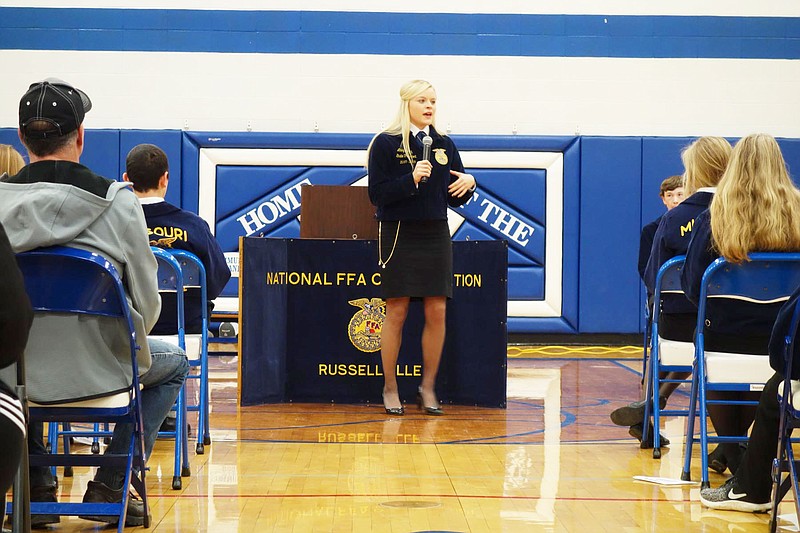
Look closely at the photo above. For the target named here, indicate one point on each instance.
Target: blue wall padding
(571, 247)
(609, 234)
(610, 192)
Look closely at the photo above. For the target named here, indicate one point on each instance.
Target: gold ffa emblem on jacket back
(364, 329)
(165, 242)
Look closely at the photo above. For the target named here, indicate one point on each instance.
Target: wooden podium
(336, 212)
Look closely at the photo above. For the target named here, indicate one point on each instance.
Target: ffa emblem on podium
(364, 329)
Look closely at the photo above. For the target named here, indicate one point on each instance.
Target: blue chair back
(767, 277)
(92, 284)
(194, 273)
(668, 281)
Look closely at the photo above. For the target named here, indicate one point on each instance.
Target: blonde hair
(704, 162)
(10, 160)
(402, 121)
(757, 206)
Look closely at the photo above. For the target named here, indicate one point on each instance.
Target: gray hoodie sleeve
(141, 267)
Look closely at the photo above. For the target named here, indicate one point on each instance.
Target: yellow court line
(574, 351)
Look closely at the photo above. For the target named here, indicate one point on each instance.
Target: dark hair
(49, 145)
(145, 165)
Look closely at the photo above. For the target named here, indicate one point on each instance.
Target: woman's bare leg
(432, 345)
(391, 338)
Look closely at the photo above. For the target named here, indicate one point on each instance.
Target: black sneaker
(168, 425)
(636, 431)
(728, 497)
(47, 494)
(633, 413)
(717, 461)
(98, 492)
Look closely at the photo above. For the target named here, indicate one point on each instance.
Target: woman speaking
(414, 174)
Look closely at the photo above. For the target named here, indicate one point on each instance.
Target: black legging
(12, 439)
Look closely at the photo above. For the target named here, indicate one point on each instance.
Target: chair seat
(192, 340)
(675, 353)
(226, 305)
(722, 367)
(795, 393)
(121, 399)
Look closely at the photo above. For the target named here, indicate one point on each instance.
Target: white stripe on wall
(477, 95)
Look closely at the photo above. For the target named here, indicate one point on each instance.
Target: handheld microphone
(427, 142)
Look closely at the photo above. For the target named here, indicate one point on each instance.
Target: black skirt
(417, 259)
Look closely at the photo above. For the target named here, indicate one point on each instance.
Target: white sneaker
(729, 497)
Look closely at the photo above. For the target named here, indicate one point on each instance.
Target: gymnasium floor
(552, 461)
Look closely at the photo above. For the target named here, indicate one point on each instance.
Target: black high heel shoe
(394, 411)
(428, 410)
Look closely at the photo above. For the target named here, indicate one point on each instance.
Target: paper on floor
(664, 480)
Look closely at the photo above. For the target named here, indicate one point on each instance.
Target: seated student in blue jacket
(756, 209)
(704, 162)
(168, 226)
(671, 193)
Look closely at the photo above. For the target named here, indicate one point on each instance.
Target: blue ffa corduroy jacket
(169, 226)
(672, 238)
(779, 332)
(391, 184)
(726, 316)
(646, 244)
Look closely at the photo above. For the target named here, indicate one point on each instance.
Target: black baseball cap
(54, 101)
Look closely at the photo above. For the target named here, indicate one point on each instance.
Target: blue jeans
(161, 383)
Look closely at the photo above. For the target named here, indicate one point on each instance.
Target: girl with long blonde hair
(704, 162)
(756, 209)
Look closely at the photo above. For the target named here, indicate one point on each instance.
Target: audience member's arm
(659, 254)
(217, 271)
(700, 254)
(141, 271)
(645, 245)
(776, 342)
(15, 312)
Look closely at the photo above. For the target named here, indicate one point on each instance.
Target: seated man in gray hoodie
(57, 201)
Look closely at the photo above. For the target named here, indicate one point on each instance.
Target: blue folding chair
(785, 466)
(665, 355)
(67, 280)
(766, 278)
(170, 279)
(194, 278)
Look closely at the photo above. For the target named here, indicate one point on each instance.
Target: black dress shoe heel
(394, 411)
(428, 410)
